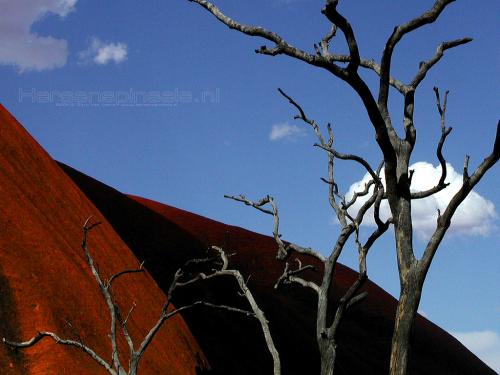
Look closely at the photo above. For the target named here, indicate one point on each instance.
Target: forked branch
(289, 276)
(114, 367)
(444, 220)
(399, 32)
(284, 249)
(326, 332)
(255, 311)
(445, 131)
(328, 146)
(281, 46)
(425, 66)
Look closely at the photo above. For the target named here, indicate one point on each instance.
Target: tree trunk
(327, 354)
(411, 290)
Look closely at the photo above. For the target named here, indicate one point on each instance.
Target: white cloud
(19, 46)
(475, 216)
(484, 344)
(103, 53)
(285, 131)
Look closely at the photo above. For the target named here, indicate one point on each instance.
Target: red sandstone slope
(166, 237)
(45, 281)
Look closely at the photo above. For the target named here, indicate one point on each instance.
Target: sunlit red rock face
(165, 237)
(45, 281)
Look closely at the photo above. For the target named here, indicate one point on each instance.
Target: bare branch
(425, 66)
(327, 146)
(325, 42)
(126, 333)
(399, 32)
(302, 116)
(330, 11)
(284, 250)
(281, 46)
(258, 313)
(289, 276)
(341, 212)
(305, 251)
(468, 184)
(349, 297)
(40, 335)
(105, 293)
(439, 151)
(255, 312)
(125, 272)
(366, 189)
(352, 157)
(228, 308)
(322, 144)
(358, 194)
(465, 176)
(257, 205)
(322, 49)
(354, 300)
(369, 64)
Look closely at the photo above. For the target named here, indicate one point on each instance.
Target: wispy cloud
(285, 131)
(475, 216)
(24, 49)
(102, 53)
(484, 344)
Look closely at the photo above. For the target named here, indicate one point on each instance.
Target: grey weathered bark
(244, 291)
(115, 367)
(396, 151)
(326, 327)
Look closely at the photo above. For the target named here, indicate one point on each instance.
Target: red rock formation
(45, 281)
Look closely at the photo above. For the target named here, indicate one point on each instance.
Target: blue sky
(215, 123)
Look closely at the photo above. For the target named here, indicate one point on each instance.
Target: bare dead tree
(396, 152)
(181, 279)
(326, 330)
